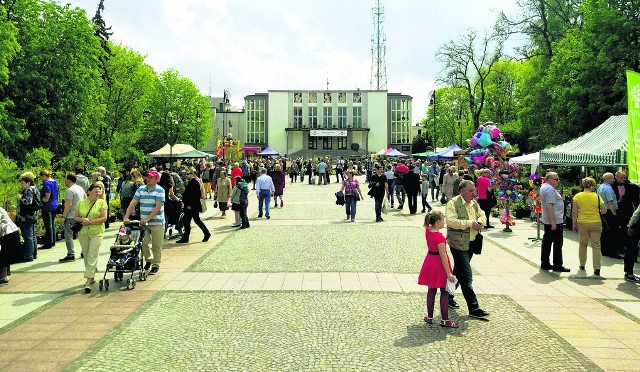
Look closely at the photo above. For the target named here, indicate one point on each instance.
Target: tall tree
(468, 65)
(11, 130)
(453, 122)
(55, 81)
(126, 98)
(177, 113)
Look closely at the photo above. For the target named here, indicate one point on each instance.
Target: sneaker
(236, 225)
(206, 237)
(631, 278)
(259, 216)
(147, 266)
(268, 217)
(154, 270)
(479, 313)
(596, 272)
(67, 258)
(453, 304)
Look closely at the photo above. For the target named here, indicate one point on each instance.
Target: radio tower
(378, 50)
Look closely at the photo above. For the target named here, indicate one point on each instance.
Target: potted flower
(521, 208)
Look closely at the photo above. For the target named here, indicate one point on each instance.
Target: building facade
(307, 122)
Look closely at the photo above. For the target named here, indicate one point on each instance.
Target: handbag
(357, 197)
(475, 246)
(603, 218)
(77, 226)
(203, 205)
(443, 199)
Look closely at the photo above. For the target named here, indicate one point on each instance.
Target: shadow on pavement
(545, 277)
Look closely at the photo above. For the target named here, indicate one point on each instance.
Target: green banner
(633, 119)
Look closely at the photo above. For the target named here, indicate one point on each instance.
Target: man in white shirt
(265, 190)
(72, 196)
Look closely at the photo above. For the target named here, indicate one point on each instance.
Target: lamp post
(432, 101)
(173, 131)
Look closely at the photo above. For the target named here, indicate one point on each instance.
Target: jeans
(549, 237)
(401, 194)
(462, 271)
(425, 203)
(188, 216)
(264, 197)
(390, 194)
(28, 231)
(350, 206)
(378, 199)
(68, 236)
(49, 227)
(413, 203)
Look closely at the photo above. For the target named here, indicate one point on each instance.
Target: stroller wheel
(100, 284)
(106, 284)
(133, 284)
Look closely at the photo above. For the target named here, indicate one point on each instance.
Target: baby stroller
(126, 259)
(174, 217)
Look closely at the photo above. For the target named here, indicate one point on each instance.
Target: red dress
(433, 274)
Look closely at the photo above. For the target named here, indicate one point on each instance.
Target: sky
(252, 46)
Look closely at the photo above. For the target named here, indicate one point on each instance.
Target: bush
(9, 184)
(38, 159)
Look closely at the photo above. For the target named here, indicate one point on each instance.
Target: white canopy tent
(533, 159)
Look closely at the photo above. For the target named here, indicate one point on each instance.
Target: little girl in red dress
(436, 268)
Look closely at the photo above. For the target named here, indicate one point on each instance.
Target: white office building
(300, 122)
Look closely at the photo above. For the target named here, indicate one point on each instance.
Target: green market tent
(603, 146)
(422, 154)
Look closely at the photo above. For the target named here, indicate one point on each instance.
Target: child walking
(436, 268)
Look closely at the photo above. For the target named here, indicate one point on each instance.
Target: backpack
(36, 203)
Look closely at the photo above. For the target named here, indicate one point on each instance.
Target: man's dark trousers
(549, 237)
(462, 271)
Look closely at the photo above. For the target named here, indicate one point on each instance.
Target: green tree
(11, 130)
(468, 65)
(453, 122)
(126, 98)
(38, 159)
(177, 113)
(54, 81)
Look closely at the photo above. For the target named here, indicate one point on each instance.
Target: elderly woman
(223, 192)
(9, 245)
(587, 208)
(278, 179)
(352, 194)
(91, 213)
(28, 215)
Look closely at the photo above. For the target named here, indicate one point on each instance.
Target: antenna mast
(378, 50)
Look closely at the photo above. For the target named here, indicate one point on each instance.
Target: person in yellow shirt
(586, 211)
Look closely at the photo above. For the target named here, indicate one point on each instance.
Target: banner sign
(328, 133)
(633, 119)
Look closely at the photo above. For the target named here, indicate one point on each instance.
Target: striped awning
(604, 145)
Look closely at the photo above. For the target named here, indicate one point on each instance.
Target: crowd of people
(157, 196)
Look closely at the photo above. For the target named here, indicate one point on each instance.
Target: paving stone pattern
(373, 248)
(328, 331)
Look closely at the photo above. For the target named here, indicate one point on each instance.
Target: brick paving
(305, 290)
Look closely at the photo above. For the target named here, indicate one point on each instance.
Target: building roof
(604, 145)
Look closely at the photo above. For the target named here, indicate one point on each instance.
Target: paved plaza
(306, 290)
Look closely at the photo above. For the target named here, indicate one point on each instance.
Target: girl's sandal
(448, 323)
(428, 320)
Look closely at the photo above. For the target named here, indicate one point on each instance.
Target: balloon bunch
(507, 219)
(507, 182)
(534, 183)
(486, 147)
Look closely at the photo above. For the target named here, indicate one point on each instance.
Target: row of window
(327, 97)
(327, 143)
(343, 120)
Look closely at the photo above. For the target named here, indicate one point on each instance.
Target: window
(342, 143)
(256, 126)
(342, 117)
(297, 97)
(327, 117)
(327, 143)
(297, 117)
(357, 98)
(313, 142)
(400, 127)
(313, 117)
(313, 97)
(327, 97)
(342, 97)
(357, 117)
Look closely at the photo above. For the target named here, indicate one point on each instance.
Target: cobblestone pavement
(274, 331)
(307, 291)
